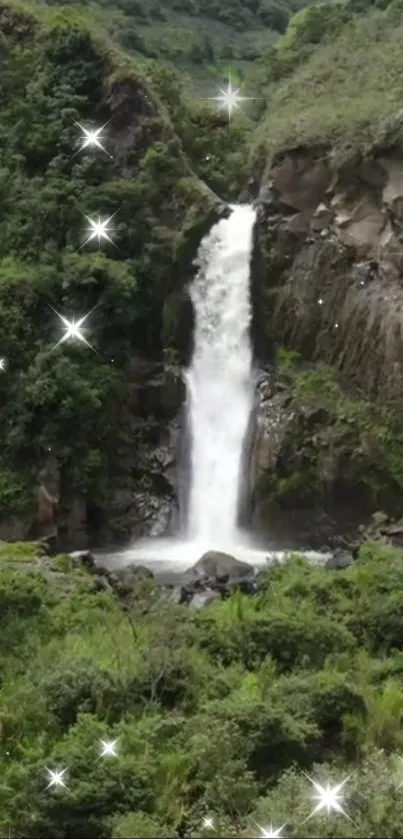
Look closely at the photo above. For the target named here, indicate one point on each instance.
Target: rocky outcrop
(320, 467)
(288, 510)
(142, 496)
(331, 255)
(218, 565)
(327, 274)
(215, 576)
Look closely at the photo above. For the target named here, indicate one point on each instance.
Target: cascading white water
(219, 381)
(220, 400)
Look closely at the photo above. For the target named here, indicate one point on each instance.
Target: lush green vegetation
(335, 440)
(199, 36)
(58, 69)
(217, 712)
(335, 78)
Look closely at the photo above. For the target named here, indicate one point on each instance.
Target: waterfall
(220, 385)
(220, 402)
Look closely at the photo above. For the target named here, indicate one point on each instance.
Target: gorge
(239, 400)
(221, 391)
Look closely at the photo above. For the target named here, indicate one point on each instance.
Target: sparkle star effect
(92, 137)
(270, 832)
(56, 777)
(208, 824)
(328, 798)
(229, 98)
(108, 748)
(99, 229)
(3, 364)
(74, 329)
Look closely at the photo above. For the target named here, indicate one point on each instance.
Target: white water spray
(220, 399)
(220, 381)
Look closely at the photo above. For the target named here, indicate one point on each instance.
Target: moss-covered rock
(325, 461)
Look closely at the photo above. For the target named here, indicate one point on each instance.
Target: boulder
(203, 598)
(379, 519)
(216, 565)
(130, 582)
(340, 559)
(83, 558)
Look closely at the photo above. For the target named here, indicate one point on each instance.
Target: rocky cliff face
(328, 268)
(333, 256)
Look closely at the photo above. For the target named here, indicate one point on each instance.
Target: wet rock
(396, 529)
(215, 564)
(340, 559)
(85, 558)
(215, 576)
(322, 217)
(174, 594)
(100, 584)
(248, 586)
(379, 518)
(203, 598)
(131, 581)
(134, 572)
(384, 531)
(153, 514)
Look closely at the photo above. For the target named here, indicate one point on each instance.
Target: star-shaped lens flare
(56, 777)
(270, 832)
(74, 329)
(99, 229)
(328, 798)
(208, 824)
(229, 98)
(3, 364)
(108, 748)
(92, 138)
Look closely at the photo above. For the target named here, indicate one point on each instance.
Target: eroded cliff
(329, 263)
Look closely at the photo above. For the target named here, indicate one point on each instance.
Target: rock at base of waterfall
(219, 566)
(85, 558)
(203, 598)
(131, 583)
(340, 559)
(214, 576)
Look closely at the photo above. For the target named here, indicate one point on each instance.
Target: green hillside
(335, 77)
(227, 719)
(198, 37)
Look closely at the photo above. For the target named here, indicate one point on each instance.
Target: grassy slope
(199, 38)
(348, 92)
(216, 711)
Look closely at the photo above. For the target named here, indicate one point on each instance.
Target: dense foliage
(335, 444)
(219, 713)
(341, 62)
(194, 34)
(216, 712)
(57, 72)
